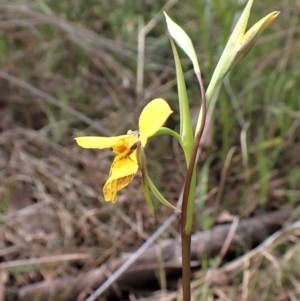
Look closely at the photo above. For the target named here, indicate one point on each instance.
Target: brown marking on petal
(110, 188)
(135, 145)
(121, 146)
(121, 158)
(123, 182)
(110, 191)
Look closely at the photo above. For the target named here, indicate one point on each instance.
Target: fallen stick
(165, 254)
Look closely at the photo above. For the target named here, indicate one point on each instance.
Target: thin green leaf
(202, 187)
(147, 193)
(229, 52)
(158, 195)
(183, 41)
(250, 37)
(186, 131)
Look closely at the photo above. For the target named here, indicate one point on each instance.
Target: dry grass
(88, 77)
(54, 220)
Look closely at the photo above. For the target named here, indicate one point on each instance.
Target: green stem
(142, 165)
(166, 131)
(188, 202)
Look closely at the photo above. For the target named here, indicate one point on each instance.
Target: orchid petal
(98, 142)
(122, 171)
(152, 118)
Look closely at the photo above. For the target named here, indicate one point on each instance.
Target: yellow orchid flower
(125, 165)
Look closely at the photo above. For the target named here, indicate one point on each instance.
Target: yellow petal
(122, 167)
(133, 157)
(153, 117)
(122, 171)
(98, 142)
(110, 191)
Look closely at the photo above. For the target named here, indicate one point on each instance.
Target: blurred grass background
(90, 68)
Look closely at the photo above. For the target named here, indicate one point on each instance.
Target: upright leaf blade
(229, 52)
(250, 37)
(186, 131)
(183, 41)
